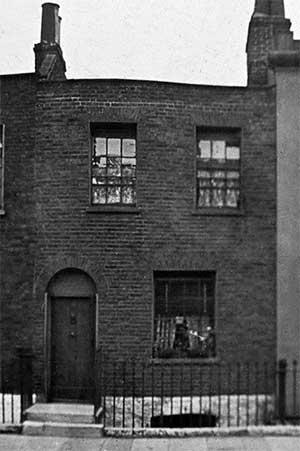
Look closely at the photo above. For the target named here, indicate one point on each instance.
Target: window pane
(99, 180)
(98, 171)
(113, 194)
(218, 168)
(233, 153)
(128, 170)
(113, 163)
(99, 161)
(232, 198)
(204, 174)
(128, 194)
(100, 146)
(218, 179)
(113, 166)
(114, 147)
(232, 183)
(98, 195)
(218, 174)
(204, 198)
(233, 175)
(218, 152)
(204, 183)
(217, 198)
(128, 161)
(205, 149)
(181, 327)
(114, 180)
(128, 148)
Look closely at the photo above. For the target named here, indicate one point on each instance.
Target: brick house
(154, 219)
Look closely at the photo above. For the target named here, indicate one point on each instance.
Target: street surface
(9, 442)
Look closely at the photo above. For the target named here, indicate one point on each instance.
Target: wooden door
(72, 348)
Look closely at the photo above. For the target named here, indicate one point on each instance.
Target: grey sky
(192, 41)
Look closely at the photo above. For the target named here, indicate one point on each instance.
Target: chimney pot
(50, 32)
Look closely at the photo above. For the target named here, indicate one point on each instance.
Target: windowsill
(213, 211)
(2, 212)
(112, 209)
(185, 361)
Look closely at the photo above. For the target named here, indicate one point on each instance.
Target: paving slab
(255, 444)
(225, 444)
(117, 444)
(153, 444)
(283, 443)
(12, 442)
(188, 444)
(22, 443)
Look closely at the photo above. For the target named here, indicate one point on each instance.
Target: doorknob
(72, 334)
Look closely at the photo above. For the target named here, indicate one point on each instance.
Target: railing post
(282, 369)
(25, 373)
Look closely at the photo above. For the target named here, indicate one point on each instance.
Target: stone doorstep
(71, 430)
(61, 413)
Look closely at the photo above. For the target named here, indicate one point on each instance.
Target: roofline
(22, 74)
(153, 82)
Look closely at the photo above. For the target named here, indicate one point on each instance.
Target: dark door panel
(72, 348)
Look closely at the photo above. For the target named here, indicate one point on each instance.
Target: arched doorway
(71, 298)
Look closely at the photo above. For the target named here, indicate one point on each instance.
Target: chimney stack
(49, 61)
(50, 31)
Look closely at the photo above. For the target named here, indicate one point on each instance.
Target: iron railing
(16, 391)
(157, 393)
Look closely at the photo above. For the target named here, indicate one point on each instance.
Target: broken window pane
(99, 195)
(114, 147)
(218, 150)
(233, 153)
(100, 146)
(113, 194)
(205, 149)
(128, 148)
(113, 166)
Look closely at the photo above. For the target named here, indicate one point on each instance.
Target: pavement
(14, 442)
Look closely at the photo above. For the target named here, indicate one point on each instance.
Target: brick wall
(47, 226)
(121, 251)
(17, 226)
